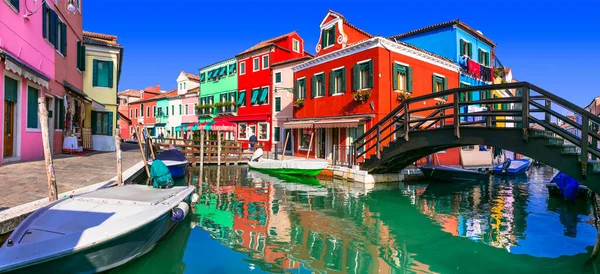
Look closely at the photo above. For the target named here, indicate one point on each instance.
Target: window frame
(148, 111)
(337, 85)
(102, 114)
(319, 85)
(39, 94)
(242, 69)
(106, 62)
(300, 89)
(295, 45)
(278, 74)
(276, 134)
(407, 71)
(245, 99)
(244, 131)
(255, 64)
(328, 32)
(277, 98)
(267, 126)
(265, 65)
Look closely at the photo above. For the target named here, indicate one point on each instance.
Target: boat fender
(195, 197)
(178, 213)
(506, 165)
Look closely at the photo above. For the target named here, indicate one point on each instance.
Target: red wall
(137, 106)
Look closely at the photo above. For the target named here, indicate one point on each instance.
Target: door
(9, 118)
(321, 134)
(335, 142)
(288, 146)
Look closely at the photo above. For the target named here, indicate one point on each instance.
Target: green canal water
(249, 222)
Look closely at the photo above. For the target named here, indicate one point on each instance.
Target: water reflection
(249, 221)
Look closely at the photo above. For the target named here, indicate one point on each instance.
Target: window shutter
(95, 73)
(82, 57)
(32, 107)
(433, 80)
(487, 59)
(331, 82)
(333, 36)
(323, 38)
(355, 76)
(296, 93)
(79, 55)
(54, 27)
(371, 73)
(110, 124)
(61, 117)
(470, 50)
(313, 86)
(462, 47)
(323, 84)
(44, 26)
(343, 80)
(395, 76)
(110, 74)
(63, 39)
(409, 79)
(303, 88)
(94, 121)
(445, 83)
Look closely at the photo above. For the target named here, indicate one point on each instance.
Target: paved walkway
(21, 183)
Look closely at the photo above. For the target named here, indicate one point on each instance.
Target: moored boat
(95, 231)
(174, 160)
(453, 174)
(512, 167)
(564, 186)
(289, 167)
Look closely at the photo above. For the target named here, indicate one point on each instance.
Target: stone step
(558, 142)
(541, 134)
(569, 150)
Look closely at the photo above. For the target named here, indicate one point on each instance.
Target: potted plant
(402, 96)
(299, 103)
(218, 104)
(361, 95)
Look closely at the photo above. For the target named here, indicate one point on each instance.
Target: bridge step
(553, 141)
(535, 133)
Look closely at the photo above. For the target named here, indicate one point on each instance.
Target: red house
(255, 92)
(143, 111)
(355, 80)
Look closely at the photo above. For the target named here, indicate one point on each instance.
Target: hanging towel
(484, 73)
(474, 69)
(462, 62)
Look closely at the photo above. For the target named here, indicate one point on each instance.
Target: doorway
(51, 116)
(321, 142)
(288, 146)
(335, 141)
(9, 128)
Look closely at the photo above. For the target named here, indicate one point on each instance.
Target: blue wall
(440, 41)
(477, 44)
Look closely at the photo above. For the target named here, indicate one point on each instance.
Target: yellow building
(103, 62)
(505, 76)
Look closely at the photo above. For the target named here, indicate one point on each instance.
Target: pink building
(27, 65)
(189, 101)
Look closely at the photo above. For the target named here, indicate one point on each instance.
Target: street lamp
(70, 7)
(290, 90)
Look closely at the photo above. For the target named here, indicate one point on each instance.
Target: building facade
(218, 84)
(255, 94)
(102, 72)
(355, 80)
(188, 88)
(143, 111)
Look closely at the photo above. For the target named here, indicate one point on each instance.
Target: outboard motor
(506, 165)
(179, 212)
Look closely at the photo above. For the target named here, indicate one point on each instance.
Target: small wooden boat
(289, 167)
(513, 167)
(174, 160)
(95, 231)
(563, 186)
(453, 174)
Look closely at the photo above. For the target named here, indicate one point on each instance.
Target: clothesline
(475, 69)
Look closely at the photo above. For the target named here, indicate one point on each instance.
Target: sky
(552, 44)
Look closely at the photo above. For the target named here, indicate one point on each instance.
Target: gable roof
(194, 90)
(100, 39)
(130, 93)
(192, 77)
(163, 95)
(446, 24)
(267, 43)
(348, 23)
(308, 56)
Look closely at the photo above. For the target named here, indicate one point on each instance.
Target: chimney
(158, 88)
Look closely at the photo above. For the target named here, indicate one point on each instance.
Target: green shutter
(304, 88)
(82, 57)
(61, 117)
(470, 50)
(63, 39)
(54, 26)
(278, 104)
(313, 86)
(333, 36)
(331, 82)
(11, 87)
(32, 107)
(94, 122)
(343, 80)
(278, 77)
(276, 131)
(296, 93)
(395, 76)
(487, 59)
(323, 32)
(355, 77)
(110, 74)
(409, 79)
(44, 27)
(255, 93)
(433, 80)
(445, 82)
(110, 124)
(15, 4)
(462, 47)
(322, 76)
(95, 73)
(371, 73)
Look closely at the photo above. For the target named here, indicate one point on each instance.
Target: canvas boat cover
(567, 186)
(289, 164)
(160, 174)
(172, 155)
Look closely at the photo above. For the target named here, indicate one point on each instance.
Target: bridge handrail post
(378, 141)
(585, 125)
(548, 104)
(355, 150)
(525, 113)
(406, 122)
(456, 115)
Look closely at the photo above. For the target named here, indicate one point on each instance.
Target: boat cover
(289, 164)
(567, 186)
(171, 154)
(160, 174)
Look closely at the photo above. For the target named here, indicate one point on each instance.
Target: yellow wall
(102, 95)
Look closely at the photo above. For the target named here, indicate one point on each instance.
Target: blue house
(456, 41)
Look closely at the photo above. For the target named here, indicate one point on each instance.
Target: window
(318, 86)
(439, 84)
(295, 45)
(232, 99)
(465, 96)
(242, 67)
(148, 111)
(142, 110)
(466, 48)
(277, 104)
(264, 96)
(402, 78)
(328, 37)
(131, 113)
(300, 91)
(255, 64)
(103, 73)
(232, 69)
(484, 57)
(255, 94)
(337, 81)
(61, 41)
(242, 131)
(53, 29)
(362, 75)
(241, 101)
(184, 85)
(136, 113)
(278, 77)
(180, 110)
(59, 108)
(355, 132)
(276, 134)
(14, 4)
(304, 138)
(32, 107)
(202, 77)
(265, 61)
(172, 109)
(80, 56)
(263, 131)
(154, 111)
(102, 123)
(186, 109)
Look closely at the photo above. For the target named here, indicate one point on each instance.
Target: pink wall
(191, 117)
(31, 139)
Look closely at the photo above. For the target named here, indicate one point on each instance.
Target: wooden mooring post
(43, 113)
(201, 178)
(139, 134)
(119, 156)
(287, 137)
(310, 143)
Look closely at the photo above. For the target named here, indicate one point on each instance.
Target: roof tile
(267, 43)
(445, 24)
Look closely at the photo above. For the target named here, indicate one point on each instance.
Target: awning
(254, 95)
(97, 106)
(299, 124)
(245, 118)
(160, 124)
(22, 69)
(337, 123)
(263, 95)
(242, 98)
(75, 91)
(149, 126)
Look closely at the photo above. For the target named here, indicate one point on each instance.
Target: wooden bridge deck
(231, 151)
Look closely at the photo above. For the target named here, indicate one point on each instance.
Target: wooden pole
(43, 113)
(201, 178)
(287, 137)
(150, 143)
(310, 143)
(218, 147)
(119, 157)
(138, 132)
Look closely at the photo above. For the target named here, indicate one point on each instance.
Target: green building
(218, 90)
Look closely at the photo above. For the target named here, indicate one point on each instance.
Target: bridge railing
(513, 105)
